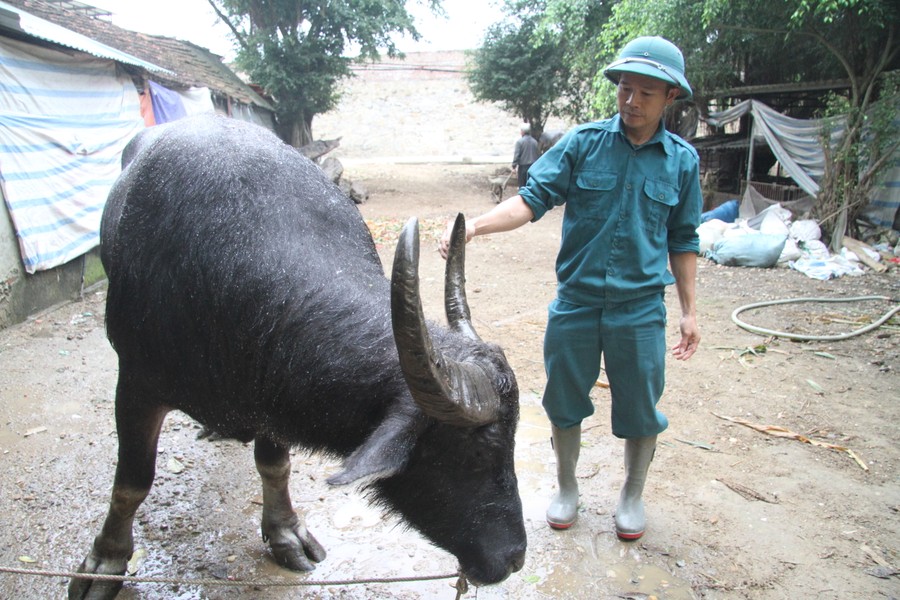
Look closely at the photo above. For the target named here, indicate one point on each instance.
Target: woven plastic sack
(760, 250)
(805, 230)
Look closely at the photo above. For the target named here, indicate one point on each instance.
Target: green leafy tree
(733, 43)
(574, 26)
(855, 155)
(521, 71)
(297, 49)
(629, 19)
(862, 35)
(726, 43)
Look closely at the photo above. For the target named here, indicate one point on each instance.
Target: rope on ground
(810, 338)
(228, 582)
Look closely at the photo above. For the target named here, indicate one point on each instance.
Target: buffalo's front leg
(138, 433)
(292, 544)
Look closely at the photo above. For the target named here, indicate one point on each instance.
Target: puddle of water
(534, 460)
(588, 561)
(534, 453)
(355, 514)
(8, 439)
(599, 565)
(361, 543)
(65, 407)
(650, 580)
(534, 428)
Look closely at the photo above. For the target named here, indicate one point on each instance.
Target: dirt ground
(733, 512)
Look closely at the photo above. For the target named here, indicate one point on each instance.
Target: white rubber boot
(564, 506)
(630, 519)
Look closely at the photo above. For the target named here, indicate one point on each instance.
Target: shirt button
(661, 196)
(627, 186)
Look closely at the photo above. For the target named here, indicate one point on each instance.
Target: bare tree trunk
(296, 132)
(302, 132)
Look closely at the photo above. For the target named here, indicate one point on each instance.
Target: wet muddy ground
(733, 512)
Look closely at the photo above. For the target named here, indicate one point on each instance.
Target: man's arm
(684, 268)
(517, 153)
(506, 216)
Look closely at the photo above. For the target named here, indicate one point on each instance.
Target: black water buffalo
(549, 138)
(245, 290)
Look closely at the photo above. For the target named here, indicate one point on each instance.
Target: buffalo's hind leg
(292, 544)
(138, 428)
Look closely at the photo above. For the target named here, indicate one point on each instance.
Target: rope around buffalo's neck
(811, 338)
(461, 584)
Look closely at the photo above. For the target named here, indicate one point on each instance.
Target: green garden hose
(808, 338)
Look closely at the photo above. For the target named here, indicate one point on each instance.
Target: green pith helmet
(654, 57)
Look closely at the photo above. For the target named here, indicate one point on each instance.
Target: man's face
(641, 101)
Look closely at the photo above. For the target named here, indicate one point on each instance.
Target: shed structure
(74, 89)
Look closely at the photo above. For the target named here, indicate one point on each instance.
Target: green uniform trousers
(631, 339)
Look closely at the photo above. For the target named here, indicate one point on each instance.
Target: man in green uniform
(632, 200)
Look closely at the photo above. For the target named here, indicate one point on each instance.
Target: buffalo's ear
(385, 453)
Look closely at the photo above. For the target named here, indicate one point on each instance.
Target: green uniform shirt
(627, 208)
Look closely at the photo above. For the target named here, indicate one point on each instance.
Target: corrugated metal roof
(50, 32)
(85, 9)
(781, 88)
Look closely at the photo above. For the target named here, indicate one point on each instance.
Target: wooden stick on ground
(859, 249)
(776, 431)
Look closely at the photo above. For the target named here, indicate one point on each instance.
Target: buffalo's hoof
(94, 589)
(295, 548)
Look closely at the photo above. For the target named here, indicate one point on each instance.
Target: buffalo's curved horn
(455, 304)
(455, 392)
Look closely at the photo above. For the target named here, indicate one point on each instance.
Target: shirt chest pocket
(657, 202)
(592, 197)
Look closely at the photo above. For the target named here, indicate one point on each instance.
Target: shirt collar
(660, 137)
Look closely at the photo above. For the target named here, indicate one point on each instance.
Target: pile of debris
(333, 168)
(772, 238)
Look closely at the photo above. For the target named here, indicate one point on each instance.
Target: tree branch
(814, 34)
(875, 167)
(234, 30)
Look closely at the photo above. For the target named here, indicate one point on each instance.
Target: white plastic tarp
(884, 202)
(796, 143)
(197, 100)
(64, 120)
